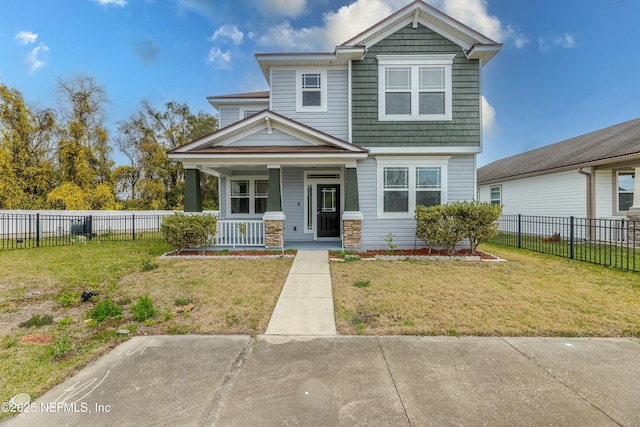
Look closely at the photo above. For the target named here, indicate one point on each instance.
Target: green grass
(230, 296)
(530, 295)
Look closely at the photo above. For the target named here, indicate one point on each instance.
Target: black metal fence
(38, 230)
(610, 242)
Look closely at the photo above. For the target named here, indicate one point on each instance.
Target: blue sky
(568, 67)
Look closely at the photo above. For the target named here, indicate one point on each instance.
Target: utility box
(77, 227)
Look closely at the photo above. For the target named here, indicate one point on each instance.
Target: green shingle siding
(463, 130)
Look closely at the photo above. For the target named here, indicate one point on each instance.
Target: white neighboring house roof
(612, 145)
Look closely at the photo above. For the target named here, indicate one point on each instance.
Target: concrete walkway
(305, 306)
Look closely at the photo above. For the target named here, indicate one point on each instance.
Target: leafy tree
(26, 165)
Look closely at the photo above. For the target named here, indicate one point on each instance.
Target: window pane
(431, 102)
(311, 98)
(240, 205)
(397, 78)
(431, 78)
(396, 201)
(260, 205)
(625, 201)
(309, 207)
(397, 103)
(261, 188)
(427, 177)
(328, 200)
(427, 198)
(239, 188)
(625, 181)
(396, 177)
(311, 81)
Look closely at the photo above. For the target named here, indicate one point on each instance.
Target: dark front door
(328, 210)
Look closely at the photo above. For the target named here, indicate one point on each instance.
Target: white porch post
(274, 216)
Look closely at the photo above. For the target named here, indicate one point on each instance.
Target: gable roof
(219, 142)
(474, 44)
(616, 143)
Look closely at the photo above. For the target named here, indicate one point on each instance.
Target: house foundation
(634, 228)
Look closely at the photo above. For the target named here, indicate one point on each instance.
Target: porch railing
(239, 233)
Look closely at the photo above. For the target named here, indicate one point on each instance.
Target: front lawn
(43, 287)
(530, 295)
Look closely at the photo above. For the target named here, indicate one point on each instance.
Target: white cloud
(121, 3)
(228, 32)
(289, 8)
(566, 41)
(489, 123)
(33, 58)
(218, 58)
(25, 37)
(350, 20)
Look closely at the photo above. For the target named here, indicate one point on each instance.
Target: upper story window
(248, 113)
(625, 181)
(415, 87)
(311, 90)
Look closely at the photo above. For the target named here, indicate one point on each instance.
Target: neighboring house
(345, 144)
(589, 176)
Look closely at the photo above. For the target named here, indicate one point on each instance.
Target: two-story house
(346, 144)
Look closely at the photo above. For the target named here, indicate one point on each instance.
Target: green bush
(447, 225)
(188, 231)
(104, 310)
(142, 309)
(437, 225)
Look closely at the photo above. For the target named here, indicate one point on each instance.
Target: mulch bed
(423, 252)
(233, 253)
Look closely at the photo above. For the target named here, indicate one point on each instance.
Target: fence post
(38, 230)
(571, 235)
(133, 226)
(89, 226)
(519, 231)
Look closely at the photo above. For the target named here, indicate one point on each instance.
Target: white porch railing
(239, 233)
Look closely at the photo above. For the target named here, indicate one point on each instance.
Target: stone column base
(634, 228)
(352, 233)
(273, 233)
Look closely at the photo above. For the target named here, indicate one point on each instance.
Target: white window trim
(442, 163)
(244, 110)
(499, 187)
(616, 191)
(323, 90)
(415, 61)
(252, 195)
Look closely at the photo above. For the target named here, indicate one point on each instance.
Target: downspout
(589, 201)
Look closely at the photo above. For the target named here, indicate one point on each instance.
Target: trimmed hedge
(448, 225)
(188, 231)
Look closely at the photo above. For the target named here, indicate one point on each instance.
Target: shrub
(438, 225)
(104, 310)
(478, 220)
(142, 309)
(188, 231)
(447, 225)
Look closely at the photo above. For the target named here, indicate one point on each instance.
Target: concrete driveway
(327, 381)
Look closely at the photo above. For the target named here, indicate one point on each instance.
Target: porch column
(352, 217)
(634, 210)
(274, 217)
(192, 195)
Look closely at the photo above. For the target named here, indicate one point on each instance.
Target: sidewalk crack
(393, 380)
(564, 384)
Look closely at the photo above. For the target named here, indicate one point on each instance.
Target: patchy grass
(531, 295)
(229, 296)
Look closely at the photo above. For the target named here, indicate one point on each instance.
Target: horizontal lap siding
(222, 196)
(333, 122)
(262, 139)
(460, 186)
(463, 130)
(228, 115)
(605, 200)
(293, 204)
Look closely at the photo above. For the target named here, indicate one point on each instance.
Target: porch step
(305, 306)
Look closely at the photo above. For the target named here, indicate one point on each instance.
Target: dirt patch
(37, 339)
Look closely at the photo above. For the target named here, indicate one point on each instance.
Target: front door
(328, 210)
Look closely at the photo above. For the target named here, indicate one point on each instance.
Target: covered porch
(281, 184)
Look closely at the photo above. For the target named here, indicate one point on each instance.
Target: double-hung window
(496, 194)
(415, 87)
(405, 185)
(311, 90)
(248, 196)
(625, 181)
